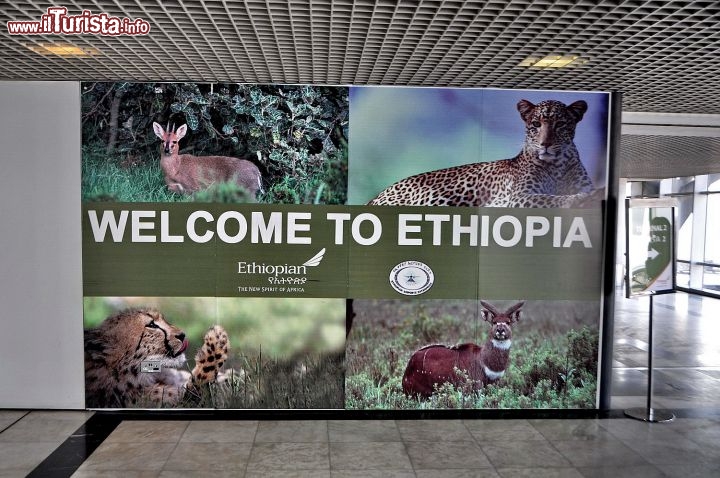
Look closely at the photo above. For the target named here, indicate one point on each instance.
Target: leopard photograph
(549, 171)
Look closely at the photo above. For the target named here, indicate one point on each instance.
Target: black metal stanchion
(649, 414)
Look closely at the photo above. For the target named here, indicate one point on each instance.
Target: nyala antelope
(433, 365)
(186, 174)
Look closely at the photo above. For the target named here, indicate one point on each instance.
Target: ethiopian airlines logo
(57, 22)
(315, 260)
(280, 274)
(412, 278)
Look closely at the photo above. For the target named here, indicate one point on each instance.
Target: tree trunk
(114, 114)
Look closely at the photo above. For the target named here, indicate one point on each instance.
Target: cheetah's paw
(211, 356)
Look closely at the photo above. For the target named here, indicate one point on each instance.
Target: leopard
(546, 173)
(116, 349)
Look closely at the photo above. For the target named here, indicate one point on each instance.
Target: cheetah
(115, 350)
(546, 173)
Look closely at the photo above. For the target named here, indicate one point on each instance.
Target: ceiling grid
(663, 55)
(660, 157)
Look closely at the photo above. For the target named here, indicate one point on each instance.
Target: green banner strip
(192, 249)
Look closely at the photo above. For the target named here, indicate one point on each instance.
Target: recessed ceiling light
(553, 61)
(62, 49)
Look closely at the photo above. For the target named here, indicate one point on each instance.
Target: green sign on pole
(649, 257)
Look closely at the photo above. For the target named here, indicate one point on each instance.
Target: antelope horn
(490, 307)
(173, 130)
(167, 128)
(515, 308)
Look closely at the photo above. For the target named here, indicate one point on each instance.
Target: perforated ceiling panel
(664, 55)
(660, 157)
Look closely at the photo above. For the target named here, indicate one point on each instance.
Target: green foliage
(426, 329)
(295, 134)
(548, 374)
(312, 180)
(548, 369)
(362, 393)
(583, 345)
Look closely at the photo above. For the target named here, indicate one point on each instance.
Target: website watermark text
(57, 22)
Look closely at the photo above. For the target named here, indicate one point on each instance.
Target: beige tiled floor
(407, 448)
(617, 447)
(27, 438)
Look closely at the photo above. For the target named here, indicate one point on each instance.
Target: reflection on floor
(686, 352)
(687, 380)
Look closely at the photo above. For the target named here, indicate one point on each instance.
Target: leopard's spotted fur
(115, 350)
(546, 173)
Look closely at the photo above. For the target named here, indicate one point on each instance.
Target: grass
(306, 382)
(553, 356)
(107, 178)
(310, 381)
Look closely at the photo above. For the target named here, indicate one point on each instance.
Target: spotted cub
(116, 349)
(546, 173)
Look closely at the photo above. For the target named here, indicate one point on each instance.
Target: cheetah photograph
(477, 147)
(207, 352)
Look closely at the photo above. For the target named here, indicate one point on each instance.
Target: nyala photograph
(436, 354)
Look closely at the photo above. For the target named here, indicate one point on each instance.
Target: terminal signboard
(650, 246)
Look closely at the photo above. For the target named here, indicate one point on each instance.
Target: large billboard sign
(272, 246)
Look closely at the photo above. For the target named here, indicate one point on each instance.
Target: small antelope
(436, 364)
(186, 174)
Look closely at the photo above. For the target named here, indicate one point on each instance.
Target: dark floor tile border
(305, 414)
(68, 457)
(15, 421)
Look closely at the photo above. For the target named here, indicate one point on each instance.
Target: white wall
(41, 329)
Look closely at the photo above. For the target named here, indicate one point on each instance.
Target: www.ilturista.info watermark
(57, 21)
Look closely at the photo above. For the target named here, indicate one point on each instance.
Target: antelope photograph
(442, 353)
(229, 143)
(475, 365)
(187, 174)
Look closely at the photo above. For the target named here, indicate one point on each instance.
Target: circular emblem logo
(411, 278)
